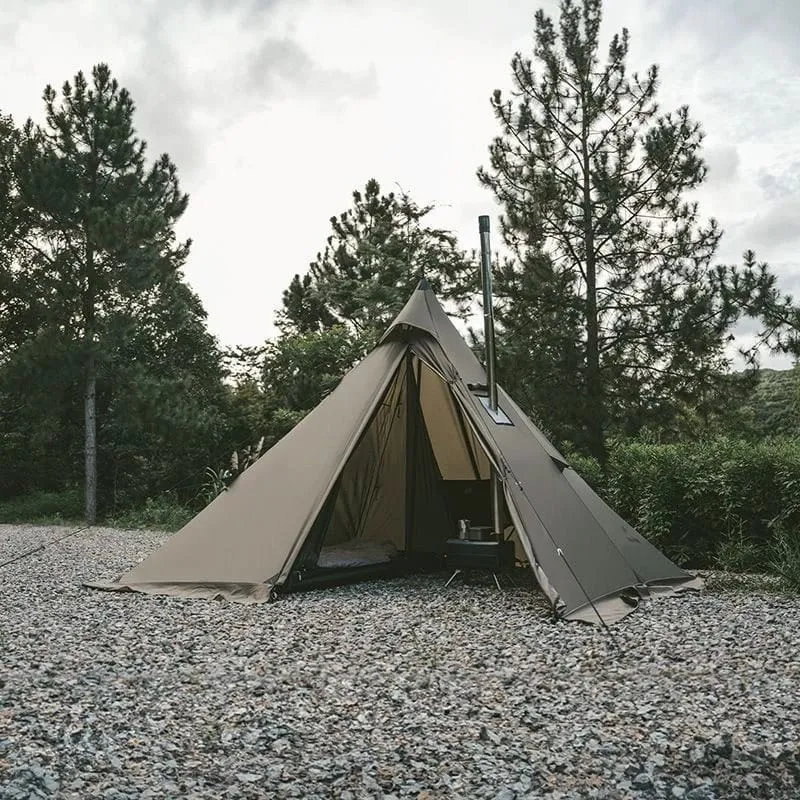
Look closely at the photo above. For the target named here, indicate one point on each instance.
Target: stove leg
(452, 577)
(497, 582)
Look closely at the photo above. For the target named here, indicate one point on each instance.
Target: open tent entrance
(416, 470)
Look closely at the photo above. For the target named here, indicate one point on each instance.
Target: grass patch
(739, 553)
(162, 513)
(44, 508)
(785, 561)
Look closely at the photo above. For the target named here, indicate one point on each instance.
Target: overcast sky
(275, 110)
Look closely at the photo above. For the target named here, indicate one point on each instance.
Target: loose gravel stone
(393, 689)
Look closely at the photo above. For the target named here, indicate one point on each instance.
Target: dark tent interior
(418, 469)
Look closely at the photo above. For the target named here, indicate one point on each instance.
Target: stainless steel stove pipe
(491, 365)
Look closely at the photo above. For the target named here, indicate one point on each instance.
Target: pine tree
(99, 231)
(374, 258)
(304, 309)
(12, 325)
(612, 262)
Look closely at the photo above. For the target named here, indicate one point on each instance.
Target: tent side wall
(648, 562)
(579, 544)
(243, 542)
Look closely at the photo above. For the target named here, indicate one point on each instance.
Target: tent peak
(423, 285)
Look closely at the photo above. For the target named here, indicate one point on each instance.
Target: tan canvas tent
(373, 477)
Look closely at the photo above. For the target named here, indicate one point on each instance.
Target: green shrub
(709, 504)
(46, 508)
(162, 513)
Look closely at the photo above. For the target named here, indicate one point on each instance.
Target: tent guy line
(43, 546)
(591, 602)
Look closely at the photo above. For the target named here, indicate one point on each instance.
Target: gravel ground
(386, 689)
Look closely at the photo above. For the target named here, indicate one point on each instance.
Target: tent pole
(496, 484)
(410, 441)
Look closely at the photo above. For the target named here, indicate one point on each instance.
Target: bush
(46, 508)
(723, 503)
(587, 467)
(163, 513)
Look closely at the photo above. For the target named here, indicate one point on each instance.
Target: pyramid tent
(388, 461)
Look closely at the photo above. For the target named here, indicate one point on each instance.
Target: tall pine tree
(612, 262)
(99, 225)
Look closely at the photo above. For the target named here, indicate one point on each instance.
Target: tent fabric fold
(375, 460)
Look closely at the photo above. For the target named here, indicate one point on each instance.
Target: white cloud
(779, 223)
(723, 163)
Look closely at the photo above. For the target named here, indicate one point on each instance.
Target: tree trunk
(90, 432)
(594, 411)
(90, 415)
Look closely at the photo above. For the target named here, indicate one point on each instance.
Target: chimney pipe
(488, 311)
(491, 368)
